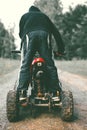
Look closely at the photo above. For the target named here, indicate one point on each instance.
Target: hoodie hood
(33, 8)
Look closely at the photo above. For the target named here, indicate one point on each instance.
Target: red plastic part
(38, 60)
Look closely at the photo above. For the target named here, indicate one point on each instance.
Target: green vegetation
(7, 44)
(78, 67)
(75, 32)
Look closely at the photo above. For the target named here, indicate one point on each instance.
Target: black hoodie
(36, 20)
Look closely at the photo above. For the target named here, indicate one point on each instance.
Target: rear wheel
(67, 106)
(12, 106)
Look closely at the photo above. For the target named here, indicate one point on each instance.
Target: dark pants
(38, 42)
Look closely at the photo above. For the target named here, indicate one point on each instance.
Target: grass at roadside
(8, 65)
(76, 66)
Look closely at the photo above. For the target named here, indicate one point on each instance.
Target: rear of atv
(14, 102)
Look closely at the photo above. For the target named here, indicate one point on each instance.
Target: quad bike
(39, 95)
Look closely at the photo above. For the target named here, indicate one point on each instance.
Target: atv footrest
(41, 105)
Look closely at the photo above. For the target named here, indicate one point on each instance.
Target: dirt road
(48, 121)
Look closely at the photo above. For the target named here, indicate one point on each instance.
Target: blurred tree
(75, 31)
(6, 42)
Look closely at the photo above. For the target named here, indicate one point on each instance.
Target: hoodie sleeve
(58, 39)
(21, 26)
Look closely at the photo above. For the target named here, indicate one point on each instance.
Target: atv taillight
(38, 60)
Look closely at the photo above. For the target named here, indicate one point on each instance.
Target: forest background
(72, 25)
